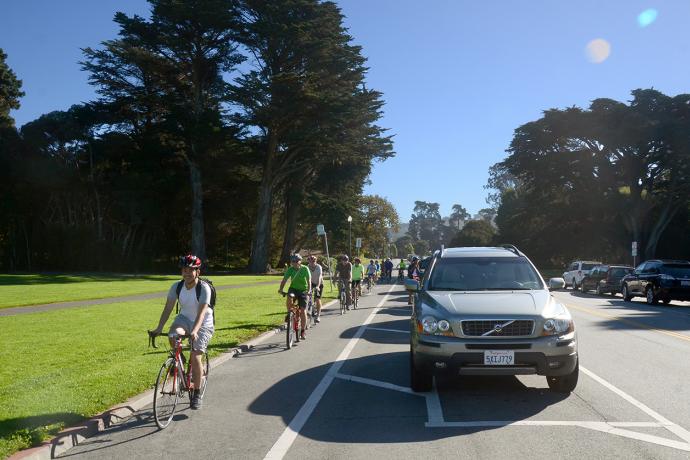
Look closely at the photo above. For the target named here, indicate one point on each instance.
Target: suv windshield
(483, 274)
(677, 271)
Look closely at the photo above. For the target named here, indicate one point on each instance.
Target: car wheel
(666, 300)
(651, 298)
(420, 381)
(626, 293)
(582, 287)
(599, 291)
(565, 383)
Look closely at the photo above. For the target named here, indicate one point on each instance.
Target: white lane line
(282, 445)
(369, 328)
(375, 383)
(682, 433)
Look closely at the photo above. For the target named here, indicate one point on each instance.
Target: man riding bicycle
(357, 276)
(343, 272)
(300, 286)
(195, 318)
(316, 285)
(371, 272)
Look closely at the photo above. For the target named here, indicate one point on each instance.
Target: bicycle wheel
(289, 330)
(166, 393)
(206, 367)
(343, 301)
(356, 297)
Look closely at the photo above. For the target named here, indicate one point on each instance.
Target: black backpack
(212, 302)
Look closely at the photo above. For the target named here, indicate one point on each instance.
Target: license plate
(685, 283)
(499, 357)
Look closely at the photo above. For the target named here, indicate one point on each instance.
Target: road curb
(116, 415)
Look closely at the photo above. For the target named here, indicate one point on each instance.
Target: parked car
(577, 270)
(605, 279)
(487, 311)
(664, 280)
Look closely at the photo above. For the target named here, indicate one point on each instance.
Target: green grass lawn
(72, 364)
(21, 290)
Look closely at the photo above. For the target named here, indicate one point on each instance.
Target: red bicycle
(292, 322)
(174, 380)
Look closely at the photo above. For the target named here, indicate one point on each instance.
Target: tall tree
(10, 92)
(475, 233)
(426, 224)
(166, 75)
(458, 216)
(304, 97)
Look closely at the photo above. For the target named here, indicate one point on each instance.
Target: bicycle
(355, 295)
(342, 296)
(369, 283)
(311, 310)
(173, 380)
(401, 275)
(292, 322)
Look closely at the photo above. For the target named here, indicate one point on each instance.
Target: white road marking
(375, 383)
(282, 445)
(369, 328)
(436, 420)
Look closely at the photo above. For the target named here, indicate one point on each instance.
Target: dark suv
(656, 280)
(605, 278)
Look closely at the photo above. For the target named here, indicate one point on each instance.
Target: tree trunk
(293, 197)
(261, 244)
(198, 240)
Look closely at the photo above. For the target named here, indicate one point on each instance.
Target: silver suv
(487, 311)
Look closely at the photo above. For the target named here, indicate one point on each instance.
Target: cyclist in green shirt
(357, 276)
(300, 285)
(401, 269)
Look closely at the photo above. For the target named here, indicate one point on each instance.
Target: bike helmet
(295, 258)
(357, 260)
(344, 257)
(190, 261)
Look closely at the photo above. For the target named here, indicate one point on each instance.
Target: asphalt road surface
(344, 393)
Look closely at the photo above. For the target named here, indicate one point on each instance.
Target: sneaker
(303, 336)
(317, 319)
(196, 400)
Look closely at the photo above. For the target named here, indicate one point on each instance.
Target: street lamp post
(349, 220)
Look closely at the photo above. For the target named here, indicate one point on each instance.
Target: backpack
(212, 301)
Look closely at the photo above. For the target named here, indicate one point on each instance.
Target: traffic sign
(634, 248)
(320, 230)
(358, 243)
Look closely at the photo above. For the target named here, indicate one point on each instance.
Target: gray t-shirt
(189, 306)
(316, 274)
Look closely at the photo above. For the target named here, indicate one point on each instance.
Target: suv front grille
(517, 328)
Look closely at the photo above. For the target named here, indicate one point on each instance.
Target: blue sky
(457, 76)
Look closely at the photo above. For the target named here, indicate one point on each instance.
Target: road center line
(284, 442)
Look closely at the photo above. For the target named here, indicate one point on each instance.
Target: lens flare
(647, 17)
(598, 50)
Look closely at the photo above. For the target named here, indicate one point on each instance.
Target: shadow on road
(379, 415)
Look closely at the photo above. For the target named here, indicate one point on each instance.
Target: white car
(577, 270)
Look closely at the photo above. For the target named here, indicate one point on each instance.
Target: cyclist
(343, 272)
(357, 275)
(388, 266)
(371, 272)
(195, 318)
(300, 285)
(378, 271)
(316, 285)
(401, 269)
(413, 273)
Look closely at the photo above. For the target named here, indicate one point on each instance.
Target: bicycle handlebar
(154, 334)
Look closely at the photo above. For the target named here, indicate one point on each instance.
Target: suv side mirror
(556, 283)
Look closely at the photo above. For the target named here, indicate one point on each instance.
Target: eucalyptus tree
(458, 216)
(165, 77)
(304, 99)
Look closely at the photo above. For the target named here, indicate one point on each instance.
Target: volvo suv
(487, 311)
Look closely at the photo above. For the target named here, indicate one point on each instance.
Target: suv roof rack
(512, 249)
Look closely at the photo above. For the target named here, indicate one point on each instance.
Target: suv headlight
(431, 326)
(558, 326)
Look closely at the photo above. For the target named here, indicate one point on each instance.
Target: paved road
(344, 393)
